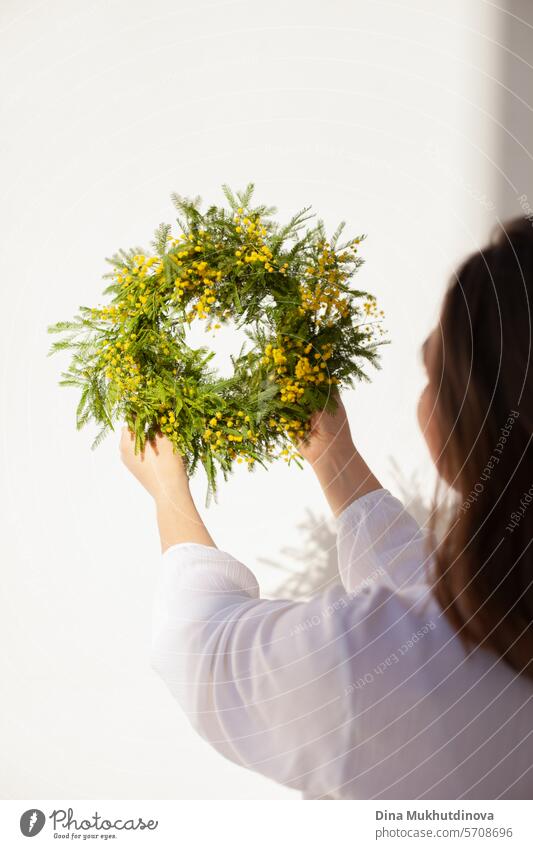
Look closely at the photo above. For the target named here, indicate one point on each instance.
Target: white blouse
(362, 692)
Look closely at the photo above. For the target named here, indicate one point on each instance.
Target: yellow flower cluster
(321, 292)
(294, 364)
(121, 368)
(277, 356)
(137, 282)
(295, 429)
(167, 422)
(233, 435)
(253, 248)
(200, 275)
(111, 313)
(370, 308)
(325, 297)
(195, 275)
(142, 267)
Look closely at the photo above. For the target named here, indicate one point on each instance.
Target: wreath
(287, 287)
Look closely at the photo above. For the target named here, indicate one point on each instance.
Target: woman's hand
(340, 469)
(160, 470)
(162, 473)
(330, 433)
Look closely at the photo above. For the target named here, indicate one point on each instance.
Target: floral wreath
(286, 286)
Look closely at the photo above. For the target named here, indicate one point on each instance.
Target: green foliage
(287, 286)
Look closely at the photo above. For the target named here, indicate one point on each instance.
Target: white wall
(382, 113)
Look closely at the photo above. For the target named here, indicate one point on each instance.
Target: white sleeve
(264, 682)
(378, 539)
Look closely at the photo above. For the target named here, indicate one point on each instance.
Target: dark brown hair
(482, 372)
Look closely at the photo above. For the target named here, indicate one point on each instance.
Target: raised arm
(376, 537)
(162, 473)
(341, 471)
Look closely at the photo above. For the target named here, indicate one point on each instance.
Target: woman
(413, 679)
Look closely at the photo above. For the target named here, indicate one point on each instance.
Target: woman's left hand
(160, 470)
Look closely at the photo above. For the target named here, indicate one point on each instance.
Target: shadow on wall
(312, 567)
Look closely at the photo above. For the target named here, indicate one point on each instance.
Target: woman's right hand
(341, 471)
(329, 434)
